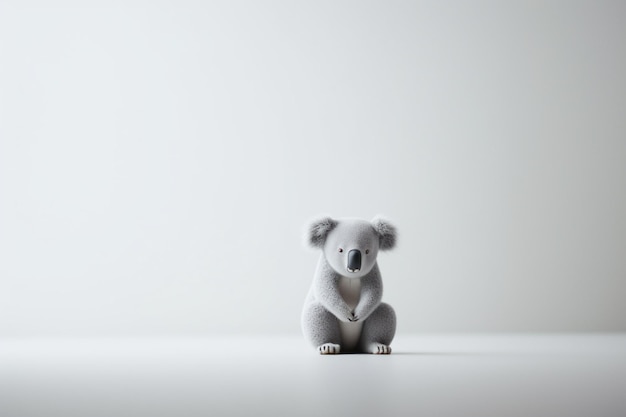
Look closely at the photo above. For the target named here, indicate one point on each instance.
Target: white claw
(328, 349)
(380, 349)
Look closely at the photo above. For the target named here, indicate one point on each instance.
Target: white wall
(158, 161)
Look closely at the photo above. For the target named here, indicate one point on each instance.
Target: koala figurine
(343, 309)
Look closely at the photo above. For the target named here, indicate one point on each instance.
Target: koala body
(343, 309)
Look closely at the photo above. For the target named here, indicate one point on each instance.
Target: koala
(343, 311)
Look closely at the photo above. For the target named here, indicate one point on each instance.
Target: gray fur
(386, 231)
(325, 308)
(318, 230)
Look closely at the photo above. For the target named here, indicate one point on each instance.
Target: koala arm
(326, 291)
(371, 294)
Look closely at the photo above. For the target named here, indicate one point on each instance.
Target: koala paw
(353, 318)
(328, 349)
(379, 349)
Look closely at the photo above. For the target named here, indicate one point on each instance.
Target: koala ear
(318, 229)
(386, 231)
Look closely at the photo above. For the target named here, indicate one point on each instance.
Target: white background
(158, 161)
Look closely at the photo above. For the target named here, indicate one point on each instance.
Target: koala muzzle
(354, 260)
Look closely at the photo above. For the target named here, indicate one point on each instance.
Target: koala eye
(340, 250)
(367, 251)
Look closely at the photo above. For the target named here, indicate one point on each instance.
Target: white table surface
(427, 375)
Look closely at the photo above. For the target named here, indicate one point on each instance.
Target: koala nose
(354, 260)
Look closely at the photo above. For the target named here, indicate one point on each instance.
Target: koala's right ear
(317, 231)
(386, 232)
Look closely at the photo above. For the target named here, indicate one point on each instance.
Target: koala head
(351, 245)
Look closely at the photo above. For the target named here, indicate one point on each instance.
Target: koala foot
(379, 349)
(328, 349)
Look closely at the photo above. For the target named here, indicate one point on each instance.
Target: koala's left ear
(318, 229)
(386, 232)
